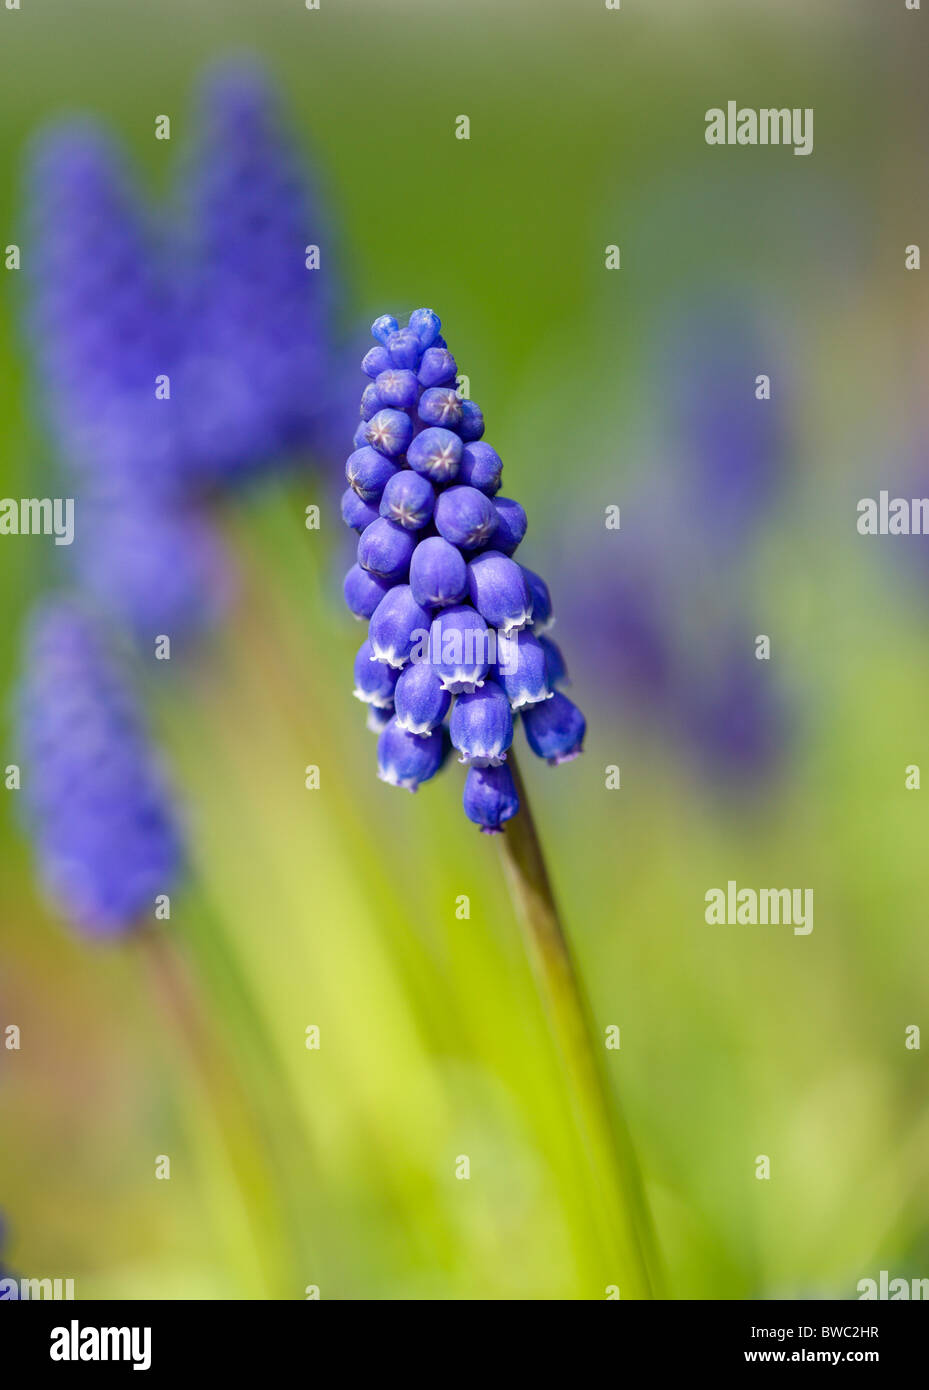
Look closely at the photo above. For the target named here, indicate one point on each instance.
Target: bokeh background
(336, 908)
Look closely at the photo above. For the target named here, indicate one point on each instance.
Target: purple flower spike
(363, 591)
(408, 499)
(440, 405)
(465, 517)
(499, 591)
(386, 550)
(511, 525)
(367, 472)
(435, 453)
(356, 512)
(521, 669)
(101, 318)
(555, 729)
(482, 726)
(542, 617)
(405, 759)
(438, 573)
(398, 624)
(389, 432)
(472, 422)
(490, 797)
(259, 380)
(374, 681)
(447, 605)
(438, 368)
(420, 701)
(481, 467)
(102, 819)
(459, 649)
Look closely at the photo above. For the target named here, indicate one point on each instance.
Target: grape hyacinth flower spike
(452, 614)
(260, 363)
(100, 316)
(457, 653)
(102, 819)
(106, 336)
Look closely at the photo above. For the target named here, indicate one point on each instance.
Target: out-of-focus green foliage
(337, 908)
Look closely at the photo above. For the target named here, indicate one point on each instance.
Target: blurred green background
(337, 908)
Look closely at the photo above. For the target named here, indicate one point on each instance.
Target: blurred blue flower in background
(102, 819)
(106, 331)
(261, 378)
(683, 561)
(154, 571)
(729, 447)
(173, 360)
(735, 713)
(732, 449)
(622, 600)
(179, 358)
(101, 318)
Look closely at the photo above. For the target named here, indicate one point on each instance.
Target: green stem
(619, 1195)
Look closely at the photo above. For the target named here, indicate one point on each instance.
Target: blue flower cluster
(259, 371)
(104, 335)
(174, 361)
(100, 813)
(455, 624)
(101, 317)
(732, 460)
(177, 361)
